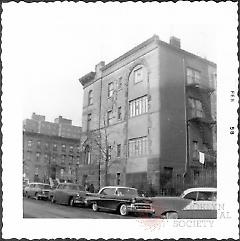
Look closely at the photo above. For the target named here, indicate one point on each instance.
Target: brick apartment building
(50, 150)
(155, 107)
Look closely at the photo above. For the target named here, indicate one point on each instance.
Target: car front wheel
(95, 207)
(71, 202)
(171, 215)
(123, 210)
(37, 196)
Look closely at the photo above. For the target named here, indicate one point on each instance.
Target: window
(120, 83)
(138, 75)
(63, 158)
(87, 155)
(110, 89)
(37, 156)
(118, 150)
(71, 149)
(109, 152)
(119, 113)
(138, 106)
(108, 191)
(29, 143)
(55, 147)
(195, 150)
(63, 147)
(193, 76)
(118, 179)
(191, 196)
(46, 146)
(137, 146)
(71, 159)
(38, 144)
(78, 149)
(196, 107)
(168, 171)
(89, 118)
(109, 117)
(195, 175)
(90, 97)
(213, 80)
(206, 196)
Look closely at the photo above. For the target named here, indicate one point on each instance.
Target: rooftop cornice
(86, 78)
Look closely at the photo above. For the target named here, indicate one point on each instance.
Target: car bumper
(40, 195)
(137, 209)
(79, 201)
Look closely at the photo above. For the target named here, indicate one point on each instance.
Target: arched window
(90, 97)
(87, 155)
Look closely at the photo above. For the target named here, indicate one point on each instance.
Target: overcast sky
(47, 47)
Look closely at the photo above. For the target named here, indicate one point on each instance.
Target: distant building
(157, 104)
(48, 152)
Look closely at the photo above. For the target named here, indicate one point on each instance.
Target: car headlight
(77, 195)
(133, 200)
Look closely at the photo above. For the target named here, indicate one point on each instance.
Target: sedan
(37, 190)
(193, 203)
(68, 193)
(121, 199)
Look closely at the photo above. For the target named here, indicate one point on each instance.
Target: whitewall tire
(123, 210)
(171, 215)
(95, 207)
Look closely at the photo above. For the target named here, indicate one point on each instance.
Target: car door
(31, 190)
(57, 192)
(65, 194)
(205, 206)
(28, 189)
(108, 198)
(202, 206)
(187, 211)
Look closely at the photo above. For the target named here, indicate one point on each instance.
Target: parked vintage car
(122, 199)
(68, 193)
(25, 184)
(193, 203)
(37, 190)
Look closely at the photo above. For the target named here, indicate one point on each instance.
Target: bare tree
(100, 140)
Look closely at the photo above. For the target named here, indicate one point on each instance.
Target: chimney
(99, 66)
(176, 42)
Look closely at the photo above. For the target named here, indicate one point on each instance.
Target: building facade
(49, 152)
(153, 111)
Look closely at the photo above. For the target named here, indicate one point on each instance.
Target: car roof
(39, 183)
(201, 189)
(69, 183)
(118, 187)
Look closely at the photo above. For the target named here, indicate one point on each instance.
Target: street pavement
(45, 209)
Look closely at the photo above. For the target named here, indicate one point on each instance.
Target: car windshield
(44, 186)
(127, 191)
(75, 187)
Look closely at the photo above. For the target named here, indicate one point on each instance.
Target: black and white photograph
(119, 111)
